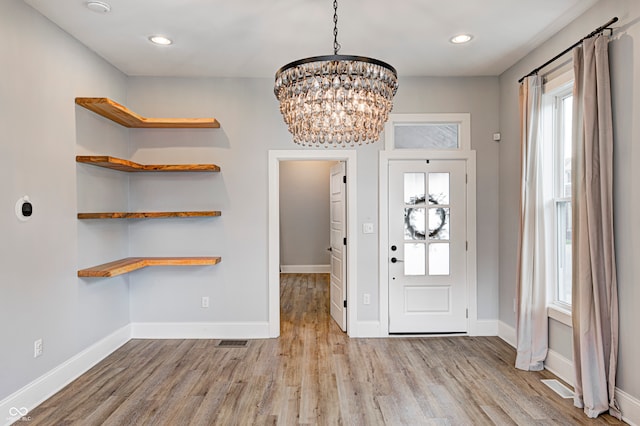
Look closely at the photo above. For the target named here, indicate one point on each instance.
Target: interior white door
(338, 291)
(427, 246)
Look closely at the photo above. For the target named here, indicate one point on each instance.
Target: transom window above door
(432, 132)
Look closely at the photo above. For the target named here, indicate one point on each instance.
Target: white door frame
(383, 261)
(275, 156)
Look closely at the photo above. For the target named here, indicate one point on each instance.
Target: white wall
(43, 69)
(624, 57)
(250, 125)
(304, 212)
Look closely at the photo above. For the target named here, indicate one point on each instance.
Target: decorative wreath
(440, 212)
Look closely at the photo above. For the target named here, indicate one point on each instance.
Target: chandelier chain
(336, 45)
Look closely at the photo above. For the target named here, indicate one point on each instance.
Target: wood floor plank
(497, 415)
(313, 374)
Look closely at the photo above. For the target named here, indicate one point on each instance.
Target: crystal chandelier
(336, 100)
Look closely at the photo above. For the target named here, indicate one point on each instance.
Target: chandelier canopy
(336, 100)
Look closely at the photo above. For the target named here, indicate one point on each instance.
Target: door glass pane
(414, 223)
(438, 188)
(414, 188)
(439, 223)
(426, 136)
(414, 259)
(439, 259)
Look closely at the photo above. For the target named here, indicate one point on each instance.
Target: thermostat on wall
(24, 208)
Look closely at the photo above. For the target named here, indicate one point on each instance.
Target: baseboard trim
(507, 333)
(368, 329)
(629, 406)
(42, 388)
(305, 269)
(560, 366)
(200, 330)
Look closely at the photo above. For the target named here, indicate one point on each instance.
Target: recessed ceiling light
(161, 40)
(98, 6)
(461, 38)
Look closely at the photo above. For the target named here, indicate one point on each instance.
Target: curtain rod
(591, 34)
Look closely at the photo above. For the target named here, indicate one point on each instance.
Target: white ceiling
(253, 38)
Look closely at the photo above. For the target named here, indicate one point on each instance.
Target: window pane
(438, 188)
(426, 136)
(414, 188)
(414, 259)
(439, 223)
(439, 259)
(567, 117)
(564, 251)
(414, 223)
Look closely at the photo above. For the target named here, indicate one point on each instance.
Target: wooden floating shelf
(127, 118)
(146, 215)
(119, 164)
(130, 264)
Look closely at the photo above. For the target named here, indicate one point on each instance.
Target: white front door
(427, 246)
(338, 291)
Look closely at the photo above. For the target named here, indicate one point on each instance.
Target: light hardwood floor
(312, 374)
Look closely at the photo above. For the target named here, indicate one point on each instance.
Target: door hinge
(344, 179)
(467, 313)
(466, 178)
(466, 245)
(344, 241)
(345, 303)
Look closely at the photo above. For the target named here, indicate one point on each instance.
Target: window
(562, 197)
(426, 136)
(557, 131)
(432, 132)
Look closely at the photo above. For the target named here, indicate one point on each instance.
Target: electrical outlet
(366, 299)
(205, 301)
(37, 348)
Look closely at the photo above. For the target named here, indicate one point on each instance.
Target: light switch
(367, 228)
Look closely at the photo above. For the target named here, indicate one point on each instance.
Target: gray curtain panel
(595, 296)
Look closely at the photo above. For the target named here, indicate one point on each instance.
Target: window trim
(560, 313)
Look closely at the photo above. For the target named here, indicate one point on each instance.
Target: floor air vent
(558, 388)
(232, 344)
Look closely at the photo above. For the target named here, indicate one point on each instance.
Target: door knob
(394, 260)
(394, 248)
(329, 249)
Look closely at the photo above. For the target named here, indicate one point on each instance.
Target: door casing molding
(349, 157)
(469, 157)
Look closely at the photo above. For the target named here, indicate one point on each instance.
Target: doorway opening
(276, 157)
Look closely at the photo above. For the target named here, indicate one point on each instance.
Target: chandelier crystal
(336, 100)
